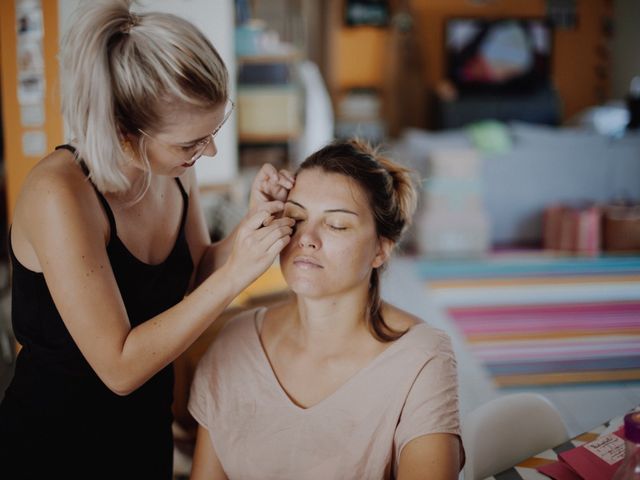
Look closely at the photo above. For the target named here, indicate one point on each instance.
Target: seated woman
(334, 383)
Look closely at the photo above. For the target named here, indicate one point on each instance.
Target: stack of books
(453, 221)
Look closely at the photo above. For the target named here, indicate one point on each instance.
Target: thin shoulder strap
(185, 202)
(185, 195)
(66, 146)
(103, 201)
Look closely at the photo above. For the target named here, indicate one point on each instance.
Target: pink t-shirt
(408, 390)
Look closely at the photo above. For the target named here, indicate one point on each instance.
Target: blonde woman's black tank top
(57, 418)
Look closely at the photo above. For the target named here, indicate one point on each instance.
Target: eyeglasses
(195, 151)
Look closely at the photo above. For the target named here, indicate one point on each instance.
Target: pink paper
(596, 460)
(559, 471)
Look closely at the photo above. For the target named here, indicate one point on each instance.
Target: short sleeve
(220, 366)
(200, 394)
(431, 405)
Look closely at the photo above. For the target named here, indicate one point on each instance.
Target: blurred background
(520, 117)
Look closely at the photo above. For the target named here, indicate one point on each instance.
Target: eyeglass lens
(201, 147)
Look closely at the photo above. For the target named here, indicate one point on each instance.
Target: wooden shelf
(283, 138)
(274, 58)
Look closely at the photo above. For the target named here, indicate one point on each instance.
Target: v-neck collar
(282, 392)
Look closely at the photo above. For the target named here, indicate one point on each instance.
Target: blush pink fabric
(258, 432)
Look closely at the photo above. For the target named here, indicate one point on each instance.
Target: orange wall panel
(17, 165)
(358, 58)
(576, 60)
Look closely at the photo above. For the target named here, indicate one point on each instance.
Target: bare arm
(435, 457)
(213, 256)
(206, 465)
(69, 240)
(269, 190)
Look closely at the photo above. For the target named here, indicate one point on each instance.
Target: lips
(187, 165)
(306, 262)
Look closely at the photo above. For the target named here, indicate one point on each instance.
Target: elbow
(121, 392)
(120, 385)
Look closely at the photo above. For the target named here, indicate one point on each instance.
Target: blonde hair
(119, 69)
(391, 191)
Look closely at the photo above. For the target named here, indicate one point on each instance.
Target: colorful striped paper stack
(536, 320)
(554, 343)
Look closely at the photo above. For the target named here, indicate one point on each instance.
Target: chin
(304, 287)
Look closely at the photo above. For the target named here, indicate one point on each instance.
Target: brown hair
(392, 197)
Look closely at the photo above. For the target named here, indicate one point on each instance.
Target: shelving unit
(270, 107)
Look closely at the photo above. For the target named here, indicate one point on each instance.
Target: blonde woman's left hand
(270, 184)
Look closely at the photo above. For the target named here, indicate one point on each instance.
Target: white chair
(507, 430)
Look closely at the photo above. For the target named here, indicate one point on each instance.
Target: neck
(136, 177)
(133, 172)
(331, 322)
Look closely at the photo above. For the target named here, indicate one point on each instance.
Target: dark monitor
(506, 55)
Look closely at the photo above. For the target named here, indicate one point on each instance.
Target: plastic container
(630, 468)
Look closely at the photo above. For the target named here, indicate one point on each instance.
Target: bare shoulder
(56, 185)
(57, 175)
(54, 193)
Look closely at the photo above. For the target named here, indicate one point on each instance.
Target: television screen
(498, 55)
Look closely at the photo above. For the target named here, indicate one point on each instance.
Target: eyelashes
(335, 228)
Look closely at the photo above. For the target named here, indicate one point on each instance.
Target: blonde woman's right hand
(260, 237)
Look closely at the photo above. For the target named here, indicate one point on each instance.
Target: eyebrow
(331, 210)
(192, 142)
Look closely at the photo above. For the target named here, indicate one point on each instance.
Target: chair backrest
(507, 430)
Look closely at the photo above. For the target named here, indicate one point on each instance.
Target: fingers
(278, 245)
(259, 239)
(267, 215)
(277, 228)
(258, 219)
(286, 179)
(281, 177)
(267, 174)
(287, 174)
(270, 182)
(276, 238)
(268, 171)
(272, 207)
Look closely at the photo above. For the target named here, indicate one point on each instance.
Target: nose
(307, 238)
(211, 150)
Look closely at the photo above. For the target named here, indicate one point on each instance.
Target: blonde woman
(336, 383)
(107, 238)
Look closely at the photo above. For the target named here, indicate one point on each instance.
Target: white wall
(215, 18)
(625, 46)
